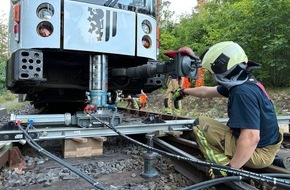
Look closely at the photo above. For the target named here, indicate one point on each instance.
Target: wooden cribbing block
(83, 147)
(159, 133)
(174, 133)
(80, 140)
(100, 138)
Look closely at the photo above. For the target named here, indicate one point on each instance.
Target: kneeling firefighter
(251, 137)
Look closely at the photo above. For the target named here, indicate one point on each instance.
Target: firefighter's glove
(178, 94)
(216, 173)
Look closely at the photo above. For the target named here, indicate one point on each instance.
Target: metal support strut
(150, 160)
(98, 81)
(99, 99)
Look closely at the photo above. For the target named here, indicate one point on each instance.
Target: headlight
(45, 11)
(44, 29)
(146, 41)
(146, 26)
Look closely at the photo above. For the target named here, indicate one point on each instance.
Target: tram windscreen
(147, 7)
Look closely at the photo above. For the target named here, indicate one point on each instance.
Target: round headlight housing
(44, 29)
(146, 41)
(146, 27)
(45, 11)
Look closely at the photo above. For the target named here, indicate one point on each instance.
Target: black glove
(178, 94)
(215, 173)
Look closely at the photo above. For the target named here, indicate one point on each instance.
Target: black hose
(37, 147)
(234, 171)
(279, 175)
(212, 182)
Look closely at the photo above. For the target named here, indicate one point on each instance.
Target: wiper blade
(111, 3)
(114, 3)
(107, 3)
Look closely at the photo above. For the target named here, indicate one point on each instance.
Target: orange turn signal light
(16, 10)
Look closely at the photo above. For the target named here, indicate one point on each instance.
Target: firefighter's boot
(168, 110)
(177, 111)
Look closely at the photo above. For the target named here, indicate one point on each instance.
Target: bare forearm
(243, 154)
(203, 92)
(246, 145)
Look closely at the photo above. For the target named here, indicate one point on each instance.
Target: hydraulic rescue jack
(100, 118)
(99, 104)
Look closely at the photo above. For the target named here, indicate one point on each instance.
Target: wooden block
(77, 148)
(285, 127)
(174, 133)
(80, 140)
(100, 138)
(159, 133)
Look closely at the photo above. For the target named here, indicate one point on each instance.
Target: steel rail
(193, 171)
(65, 132)
(282, 120)
(179, 142)
(55, 130)
(193, 144)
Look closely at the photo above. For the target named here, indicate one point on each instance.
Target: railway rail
(166, 129)
(63, 128)
(196, 173)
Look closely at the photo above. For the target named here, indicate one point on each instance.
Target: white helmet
(223, 56)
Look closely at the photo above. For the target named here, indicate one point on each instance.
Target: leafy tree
(271, 39)
(3, 51)
(167, 25)
(260, 27)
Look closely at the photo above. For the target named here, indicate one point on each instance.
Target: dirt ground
(215, 107)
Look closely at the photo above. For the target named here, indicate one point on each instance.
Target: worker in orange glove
(143, 100)
(200, 77)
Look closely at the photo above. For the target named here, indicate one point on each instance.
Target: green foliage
(3, 52)
(10, 102)
(7, 97)
(260, 27)
(208, 79)
(2, 78)
(166, 44)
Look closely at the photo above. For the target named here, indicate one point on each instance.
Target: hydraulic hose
(237, 172)
(212, 182)
(37, 147)
(279, 175)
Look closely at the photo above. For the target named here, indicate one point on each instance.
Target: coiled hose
(37, 147)
(237, 172)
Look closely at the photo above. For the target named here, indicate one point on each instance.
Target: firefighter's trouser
(218, 145)
(172, 85)
(133, 103)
